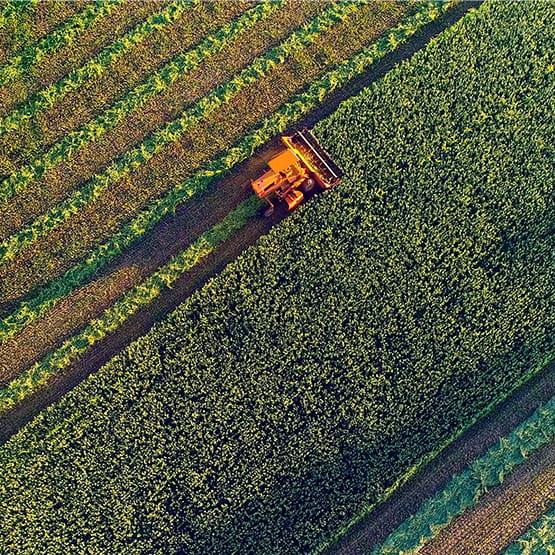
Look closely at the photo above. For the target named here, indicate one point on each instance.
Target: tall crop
(276, 123)
(154, 85)
(173, 130)
(68, 33)
(465, 490)
(139, 297)
(94, 67)
(298, 385)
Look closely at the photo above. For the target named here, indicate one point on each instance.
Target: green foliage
(276, 123)
(292, 390)
(539, 539)
(466, 489)
(68, 33)
(139, 297)
(155, 84)
(95, 67)
(172, 131)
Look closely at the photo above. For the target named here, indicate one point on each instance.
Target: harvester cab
(300, 168)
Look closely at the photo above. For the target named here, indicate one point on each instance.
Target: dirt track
(504, 513)
(405, 501)
(174, 234)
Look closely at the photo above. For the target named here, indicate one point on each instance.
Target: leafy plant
(288, 394)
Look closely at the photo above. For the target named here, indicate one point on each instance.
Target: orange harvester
(301, 167)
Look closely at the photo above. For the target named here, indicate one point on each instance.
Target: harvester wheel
(267, 212)
(308, 185)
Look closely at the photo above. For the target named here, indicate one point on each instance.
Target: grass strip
(276, 123)
(95, 67)
(539, 539)
(16, 67)
(157, 83)
(464, 490)
(11, 10)
(174, 129)
(140, 296)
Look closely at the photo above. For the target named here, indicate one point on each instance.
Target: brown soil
(57, 183)
(43, 18)
(51, 254)
(101, 32)
(504, 513)
(175, 233)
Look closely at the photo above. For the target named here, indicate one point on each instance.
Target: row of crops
(347, 345)
(296, 106)
(539, 538)
(465, 490)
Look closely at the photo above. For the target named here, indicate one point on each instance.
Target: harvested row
(188, 89)
(138, 297)
(504, 512)
(234, 426)
(154, 85)
(170, 133)
(269, 127)
(539, 538)
(465, 490)
(23, 23)
(19, 124)
(16, 67)
(137, 65)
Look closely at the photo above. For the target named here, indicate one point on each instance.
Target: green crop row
(139, 297)
(66, 34)
(11, 10)
(94, 67)
(174, 129)
(539, 539)
(269, 127)
(155, 84)
(465, 490)
(292, 390)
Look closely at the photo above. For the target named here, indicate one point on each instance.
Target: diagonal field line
(155, 84)
(93, 68)
(67, 34)
(174, 130)
(271, 125)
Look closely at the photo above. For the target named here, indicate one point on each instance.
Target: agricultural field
(499, 494)
(345, 345)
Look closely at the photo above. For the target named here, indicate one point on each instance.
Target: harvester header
(301, 167)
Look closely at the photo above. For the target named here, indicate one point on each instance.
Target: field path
(504, 513)
(433, 477)
(191, 219)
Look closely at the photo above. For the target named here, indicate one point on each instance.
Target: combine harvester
(302, 167)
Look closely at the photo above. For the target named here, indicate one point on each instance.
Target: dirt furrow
(503, 513)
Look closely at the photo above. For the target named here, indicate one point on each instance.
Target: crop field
(298, 387)
(215, 86)
(495, 498)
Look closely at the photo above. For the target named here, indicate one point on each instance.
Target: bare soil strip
(504, 513)
(474, 443)
(190, 220)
